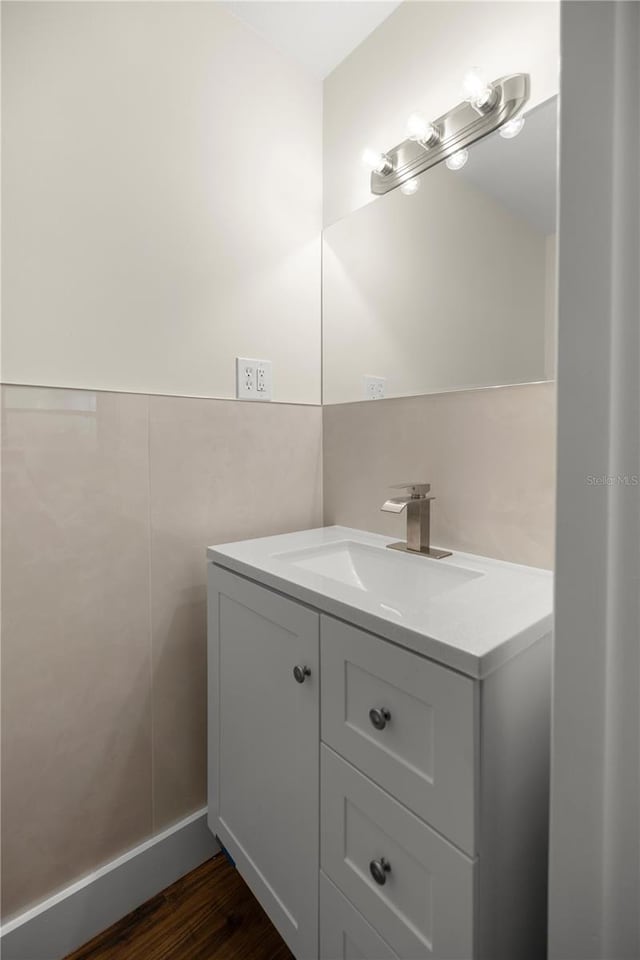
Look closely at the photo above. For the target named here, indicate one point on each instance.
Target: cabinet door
(264, 748)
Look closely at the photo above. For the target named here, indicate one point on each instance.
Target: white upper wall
(415, 60)
(161, 201)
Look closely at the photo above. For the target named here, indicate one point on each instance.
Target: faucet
(417, 503)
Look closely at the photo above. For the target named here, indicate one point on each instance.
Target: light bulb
(457, 160)
(420, 130)
(477, 91)
(409, 187)
(378, 162)
(511, 128)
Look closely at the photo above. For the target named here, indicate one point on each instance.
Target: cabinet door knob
(379, 717)
(301, 673)
(379, 870)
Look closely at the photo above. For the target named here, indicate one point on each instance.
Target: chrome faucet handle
(415, 490)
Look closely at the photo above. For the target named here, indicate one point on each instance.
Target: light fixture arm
(459, 128)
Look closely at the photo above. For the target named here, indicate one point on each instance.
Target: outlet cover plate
(253, 379)
(374, 387)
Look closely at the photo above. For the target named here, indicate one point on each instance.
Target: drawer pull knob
(379, 870)
(301, 673)
(379, 717)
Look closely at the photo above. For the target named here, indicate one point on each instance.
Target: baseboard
(63, 922)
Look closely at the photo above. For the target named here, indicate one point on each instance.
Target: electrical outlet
(374, 387)
(246, 382)
(253, 379)
(263, 379)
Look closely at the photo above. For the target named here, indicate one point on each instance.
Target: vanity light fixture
(423, 132)
(482, 96)
(511, 128)
(409, 187)
(457, 160)
(488, 107)
(378, 163)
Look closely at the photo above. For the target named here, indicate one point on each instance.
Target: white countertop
(467, 612)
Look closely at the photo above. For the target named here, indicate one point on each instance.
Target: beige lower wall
(489, 455)
(109, 501)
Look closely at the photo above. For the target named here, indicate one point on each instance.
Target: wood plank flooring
(208, 915)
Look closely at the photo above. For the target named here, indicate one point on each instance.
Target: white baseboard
(63, 922)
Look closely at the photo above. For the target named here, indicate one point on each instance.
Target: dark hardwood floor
(208, 915)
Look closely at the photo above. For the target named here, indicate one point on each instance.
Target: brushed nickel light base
(458, 128)
(422, 552)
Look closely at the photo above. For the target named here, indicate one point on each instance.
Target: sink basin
(467, 612)
(397, 581)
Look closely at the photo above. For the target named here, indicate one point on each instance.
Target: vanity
(379, 744)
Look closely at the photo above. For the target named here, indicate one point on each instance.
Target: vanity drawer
(423, 749)
(424, 907)
(344, 933)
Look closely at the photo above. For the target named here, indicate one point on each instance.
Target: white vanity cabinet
(388, 806)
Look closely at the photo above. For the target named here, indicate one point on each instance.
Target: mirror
(452, 287)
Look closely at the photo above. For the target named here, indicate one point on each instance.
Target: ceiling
(319, 34)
